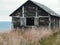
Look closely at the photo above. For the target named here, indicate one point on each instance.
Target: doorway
(30, 21)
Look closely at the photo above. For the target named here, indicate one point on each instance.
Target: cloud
(7, 7)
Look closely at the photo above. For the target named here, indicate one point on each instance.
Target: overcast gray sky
(8, 6)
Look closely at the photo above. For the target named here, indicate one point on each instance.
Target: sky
(8, 6)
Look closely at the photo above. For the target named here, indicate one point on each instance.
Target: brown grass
(25, 37)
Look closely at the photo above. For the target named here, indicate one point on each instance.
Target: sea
(5, 25)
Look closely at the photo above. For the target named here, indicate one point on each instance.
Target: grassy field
(54, 39)
(30, 37)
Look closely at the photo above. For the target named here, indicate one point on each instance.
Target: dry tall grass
(29, 36)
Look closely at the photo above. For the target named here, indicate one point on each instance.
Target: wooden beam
(54, 23)
(36, 11)
(22, 11)
(49, 22)
(59, 23)
(36, 21)
(23, 21)
(43, 16)
(16, 16)
(31, 16)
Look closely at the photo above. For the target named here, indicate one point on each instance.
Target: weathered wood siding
(29, 9)
(44, 21)
(54, 22)
(18, 12)
(41, 17)
(16, 22)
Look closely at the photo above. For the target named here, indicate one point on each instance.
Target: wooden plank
(36, 21)
(54, 23)
(22, 11)
(59, 23)
(36, 11)
(23, 21)
(16, 16)
(49, 22)
(43, 16)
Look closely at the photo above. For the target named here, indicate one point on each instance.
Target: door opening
(30, 21)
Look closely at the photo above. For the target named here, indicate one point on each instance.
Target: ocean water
(4, 26)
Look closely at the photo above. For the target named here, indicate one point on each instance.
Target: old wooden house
(35, 14)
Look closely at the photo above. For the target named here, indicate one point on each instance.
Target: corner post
(59, 23)
(36, 17)
(49, 22)
(23, 19)
(36, 11)
(23, 11)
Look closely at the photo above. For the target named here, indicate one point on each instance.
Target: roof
(50, 11)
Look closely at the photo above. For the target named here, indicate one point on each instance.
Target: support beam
(36, 11)
(49, 22)
(36, 21)
(23, 19)
(22, 11)
(44, 16)
(16, 16)
(59, 23)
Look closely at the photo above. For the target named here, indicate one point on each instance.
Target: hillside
(30, 37)
(54, 39)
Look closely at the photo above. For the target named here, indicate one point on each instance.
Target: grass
(51, 40)
(31, 37)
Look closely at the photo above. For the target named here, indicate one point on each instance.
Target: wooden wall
(54, 22)
(41, 16)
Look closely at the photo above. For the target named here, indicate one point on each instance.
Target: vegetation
(54, 39)
(30, 37)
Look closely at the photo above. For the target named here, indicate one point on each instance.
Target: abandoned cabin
(35, 14)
